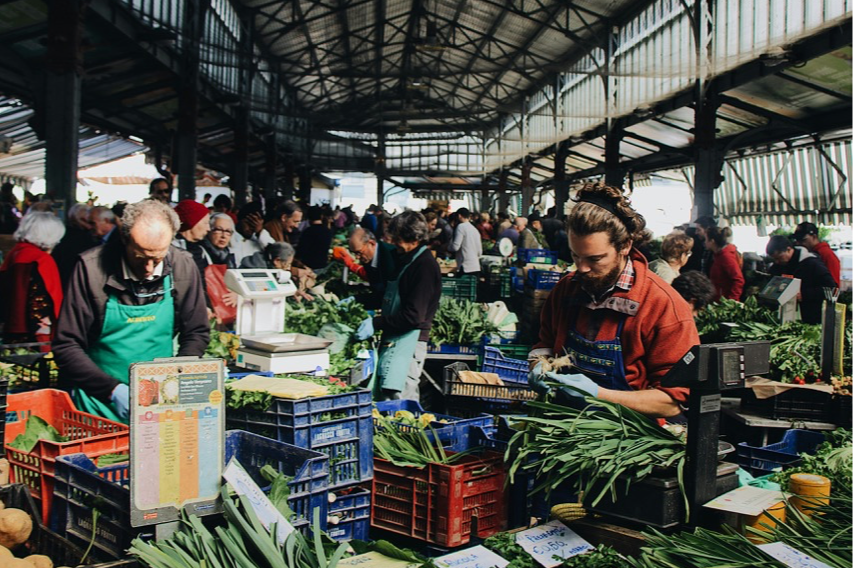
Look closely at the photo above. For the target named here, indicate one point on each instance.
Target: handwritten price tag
(551, 540)
(375, 560)
(475, 557)
(791, 556)
(246, 487)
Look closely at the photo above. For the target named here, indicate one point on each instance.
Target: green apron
(130, 334)
(396, 351)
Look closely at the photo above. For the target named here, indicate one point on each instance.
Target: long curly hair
(622, 224)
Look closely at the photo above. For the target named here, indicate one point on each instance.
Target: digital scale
(264, 346)
(781, 294)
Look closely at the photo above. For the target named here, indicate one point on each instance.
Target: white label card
(551, 540)
(246, 487)
(375, 560)
(475, 557)
(791, 556)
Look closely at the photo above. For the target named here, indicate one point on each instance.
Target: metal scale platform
(264, 346)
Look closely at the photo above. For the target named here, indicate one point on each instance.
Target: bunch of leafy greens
(243, 399)
(459, 322)
(341, 318)
(222, 345)
(794, 349)
(279, 490)
(710, 321)
(36, 429)
(505, 546)
(832, 459)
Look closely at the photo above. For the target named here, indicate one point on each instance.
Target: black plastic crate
(29, 366)
(459, 287)
(841, 410)
(43, 540)
(793, 403)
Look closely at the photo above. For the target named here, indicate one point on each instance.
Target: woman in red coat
(29, 281)
(726, 273)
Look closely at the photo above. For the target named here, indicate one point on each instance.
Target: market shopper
(377, 265)
(78, 239)
(726, 269)
(284, 226)
(249, 237)
(623, 326)
(313, 249)
(281, 256)
(675, 251)
(702, 258)
(806, 235)
(160, 190)
(103, 222)
(29, 281)
(408, 308)
(467, 245)
(126, 302)
(195, 225)
(797, 262)
(696, 288)
(526, 238)
(219, 258)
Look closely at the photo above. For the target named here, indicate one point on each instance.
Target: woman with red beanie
(195, 224)
(726, 273)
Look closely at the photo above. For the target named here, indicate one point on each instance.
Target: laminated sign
(177, 438)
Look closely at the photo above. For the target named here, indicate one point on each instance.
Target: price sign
(375, 560)
(551, 540)
(476, 557)
(791, 556)
(246, 487)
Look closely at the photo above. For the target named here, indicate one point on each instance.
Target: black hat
(804, 229)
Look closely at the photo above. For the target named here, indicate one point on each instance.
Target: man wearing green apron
(126, 301)
(408, 307)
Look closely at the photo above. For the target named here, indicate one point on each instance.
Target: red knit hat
(190, 212)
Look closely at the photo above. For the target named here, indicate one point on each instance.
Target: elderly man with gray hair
(126, 302)
(408, 307)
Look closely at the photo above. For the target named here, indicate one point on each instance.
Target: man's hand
(536, 380)
(230, 299)
(365, 330)
(255, 222)
(121, 401)
(576, 383)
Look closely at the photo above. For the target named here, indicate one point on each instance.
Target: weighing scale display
(731, 371)
(266, 286)
(776, 287)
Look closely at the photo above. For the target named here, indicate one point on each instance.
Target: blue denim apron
(601, 361)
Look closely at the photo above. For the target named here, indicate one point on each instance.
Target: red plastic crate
(439, 504)
(87, 433)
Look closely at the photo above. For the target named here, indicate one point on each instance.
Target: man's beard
(598, 285)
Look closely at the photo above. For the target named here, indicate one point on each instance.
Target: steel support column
(240, 175)
(380, 172)
(503, 194)
(561, 186)
(486, 199)
(614, 173)
(708, 174)
(304, 193)
(188, 98)
(526, 187)
(289, 176)
(62, 98)
(271, 181)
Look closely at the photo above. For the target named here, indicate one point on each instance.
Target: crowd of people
(111, 285)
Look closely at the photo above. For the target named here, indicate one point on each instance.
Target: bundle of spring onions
(243, 541)
(592, 447)
(415, 447)
(702, 549)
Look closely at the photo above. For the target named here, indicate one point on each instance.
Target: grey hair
(409, 227)
(225, 216)
(77, 213)
(280, 250)
(147, 211)
(364, 235)
(103, 214)
(41, 229)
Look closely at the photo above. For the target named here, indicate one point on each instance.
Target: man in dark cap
(806, 236)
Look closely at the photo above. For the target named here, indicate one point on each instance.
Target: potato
(39, 561)
(17, 563)
(2, 505)
(15, 527)
(5, 554)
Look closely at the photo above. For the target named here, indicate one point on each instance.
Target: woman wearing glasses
(219, 259)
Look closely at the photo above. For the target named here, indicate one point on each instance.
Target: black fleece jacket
(420, 292)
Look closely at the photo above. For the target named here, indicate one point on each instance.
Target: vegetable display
(702, 549)
(222, 345)
(599, 444)
(710, 321)
(459, 322)
(37, 429)
(413, 447)
(505, 546)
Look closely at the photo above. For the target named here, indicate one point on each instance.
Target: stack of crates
(537, 287)
(338, 425)
(499, 282)
(459, 287)
(30, 366)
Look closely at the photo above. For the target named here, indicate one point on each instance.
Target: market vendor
(798, 262)
(623, 326)
(408, 307)
(125, 303)
(376, 263)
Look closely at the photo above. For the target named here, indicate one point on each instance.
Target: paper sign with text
(746, 500)
(552, 539)
(375, 560)
(791, 557)
(246, 487)
(475, 557)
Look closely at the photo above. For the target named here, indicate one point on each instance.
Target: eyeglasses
(221, 230)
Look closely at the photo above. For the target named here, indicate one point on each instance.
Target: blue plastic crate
(538, 256)
(445, 349)
(501, 338)
(81, 484)
(349, 514)
(454, 435)
(339, 425)
(543, 279)
(512, 370)
(785, 453)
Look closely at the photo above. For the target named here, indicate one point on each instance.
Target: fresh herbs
(592, 448)
(414, 447)
(505, 546)
(832, 459)
(222, 345)
(459, 322)
(37, 429)
(279, 490)
(710, 321)
(702, 549)
(601, 557)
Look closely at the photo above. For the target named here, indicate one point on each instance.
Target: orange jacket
(658, 331)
